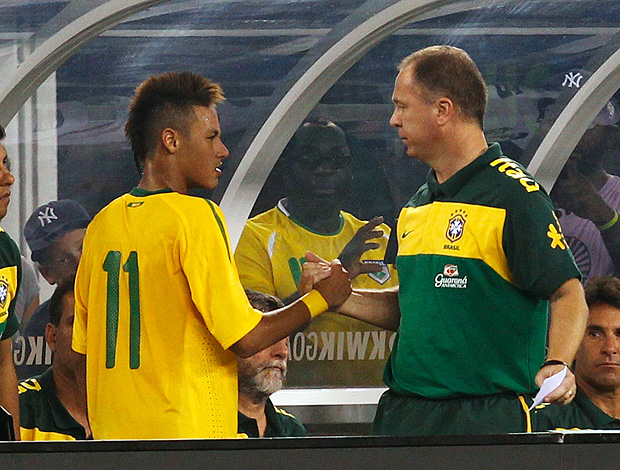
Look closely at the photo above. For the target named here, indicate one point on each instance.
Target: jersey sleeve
(252, 259)
(538, 255)
(208, 263)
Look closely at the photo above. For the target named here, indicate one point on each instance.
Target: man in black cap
(54, 232)
(586, 194)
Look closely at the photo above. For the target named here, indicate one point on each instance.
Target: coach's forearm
(569, 313)
(376, 307)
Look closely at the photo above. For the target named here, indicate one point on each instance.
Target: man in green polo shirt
(481, 259)
(597, 367)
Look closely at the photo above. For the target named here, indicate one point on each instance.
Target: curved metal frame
(59, 46)
(573, 121)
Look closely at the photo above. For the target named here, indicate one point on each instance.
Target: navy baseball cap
(571, 82)
(51, 221)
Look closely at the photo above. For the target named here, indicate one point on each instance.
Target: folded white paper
(548, 386)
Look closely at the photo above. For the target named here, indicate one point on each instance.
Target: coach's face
(597, 362)
(414, 117)
(201, 151)
(6, 180)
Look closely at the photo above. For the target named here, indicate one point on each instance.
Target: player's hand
(358, 245)
(565, 393)
(575, 193)
(314, 270)
(337, 287)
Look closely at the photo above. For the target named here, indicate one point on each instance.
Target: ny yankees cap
(571, 82)
(51, 221)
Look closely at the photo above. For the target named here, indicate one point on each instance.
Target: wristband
(554, 362)
(315, 302)
(609, 224)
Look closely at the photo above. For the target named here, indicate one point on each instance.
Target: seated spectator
(597, 367)
(54, 232)
(260, 376)
(27, 300)
(271, 252)
(588, 196)
(51, 407)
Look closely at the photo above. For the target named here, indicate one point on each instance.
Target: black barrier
(517, 451)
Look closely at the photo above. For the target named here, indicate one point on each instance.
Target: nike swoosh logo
(406, 233)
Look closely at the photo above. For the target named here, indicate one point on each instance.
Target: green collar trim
(140, 192)
(285, 211)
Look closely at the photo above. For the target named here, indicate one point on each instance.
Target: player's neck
(325, 220)
(158, 175)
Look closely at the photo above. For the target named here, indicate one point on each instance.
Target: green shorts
(412, 415)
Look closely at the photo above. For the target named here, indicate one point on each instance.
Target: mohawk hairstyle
(163, 101)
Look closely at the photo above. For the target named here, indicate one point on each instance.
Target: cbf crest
(4, 293)
(456, 225)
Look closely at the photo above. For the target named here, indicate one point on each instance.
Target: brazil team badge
(4, 293)
(456, 226)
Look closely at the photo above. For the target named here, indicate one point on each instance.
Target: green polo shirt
(43, 416)
(479, 255)
(581, 413)
(279, 424)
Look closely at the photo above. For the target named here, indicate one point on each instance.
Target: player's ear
(170, 139)
(50, 336)
(444, 110)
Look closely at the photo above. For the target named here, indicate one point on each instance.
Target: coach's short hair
(163, 101)
(2, 132)
(603, 290)
(450, 72)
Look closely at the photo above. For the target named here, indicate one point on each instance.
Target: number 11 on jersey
(112, 265)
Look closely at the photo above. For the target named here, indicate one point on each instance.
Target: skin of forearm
(8, 384)
(569, 313)
(611, 238)
(376, 307)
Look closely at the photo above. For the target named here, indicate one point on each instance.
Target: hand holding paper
(548, 386)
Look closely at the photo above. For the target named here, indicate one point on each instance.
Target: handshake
(330, 279)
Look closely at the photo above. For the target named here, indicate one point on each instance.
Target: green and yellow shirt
(478, 257)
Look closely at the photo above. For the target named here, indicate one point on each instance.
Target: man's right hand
(336, 288)
(360, 244)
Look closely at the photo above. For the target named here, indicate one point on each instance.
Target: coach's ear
(170, 139)
(444, 108)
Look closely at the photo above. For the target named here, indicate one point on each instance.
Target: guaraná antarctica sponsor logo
(449, 278)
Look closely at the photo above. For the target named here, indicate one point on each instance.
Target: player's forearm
(569, 314)
(274, 326)
(8, 384)
(376, 307)
(611, 238)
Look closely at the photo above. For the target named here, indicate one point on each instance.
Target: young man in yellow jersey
(160, 312)
(10, 277)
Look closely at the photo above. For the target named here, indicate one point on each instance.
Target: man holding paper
(597, 367)
(481, 259)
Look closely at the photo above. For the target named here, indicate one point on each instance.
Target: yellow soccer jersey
(157, 304)
(334, 350)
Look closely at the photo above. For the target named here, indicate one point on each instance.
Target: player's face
(60, 343)
(6, 180)
(598, 359)
(320, 173)
(203, 150)
(413, 117)
(265, 371)
(63, 256)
